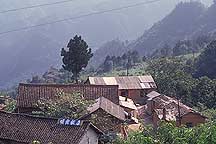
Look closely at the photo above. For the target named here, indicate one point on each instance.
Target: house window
(124, 93)
(189, 124)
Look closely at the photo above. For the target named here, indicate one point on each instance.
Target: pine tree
(76, 57)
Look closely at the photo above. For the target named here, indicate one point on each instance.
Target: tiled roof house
(24, 129)
(134, 87)
(106, 115)
(162, 107)
(29, 94)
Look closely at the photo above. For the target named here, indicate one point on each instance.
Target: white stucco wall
(91, 137)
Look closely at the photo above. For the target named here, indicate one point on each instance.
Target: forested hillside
(178, 26)
(188, 21)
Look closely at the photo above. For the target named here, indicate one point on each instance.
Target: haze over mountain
(187, 21)
(25, 53)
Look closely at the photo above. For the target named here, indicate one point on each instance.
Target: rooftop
(109, 107)
(172, 107)
(29, 94)
(125, 82)
(26, 129)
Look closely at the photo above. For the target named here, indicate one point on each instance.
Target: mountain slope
(178, 25)
(112, 48)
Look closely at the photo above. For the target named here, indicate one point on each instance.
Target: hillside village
(120, 105)
(158, 89)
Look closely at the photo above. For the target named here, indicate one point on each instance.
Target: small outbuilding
(106, 115)
(162, 107)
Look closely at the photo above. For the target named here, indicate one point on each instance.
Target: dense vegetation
(183, 47)
(206, 63)
(126, 61)
(176, 77)
(167, 133)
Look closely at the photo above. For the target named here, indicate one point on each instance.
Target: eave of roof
(35, 128)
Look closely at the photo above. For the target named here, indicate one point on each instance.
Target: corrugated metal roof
(110, 80)
(125, 82)
(146, 79)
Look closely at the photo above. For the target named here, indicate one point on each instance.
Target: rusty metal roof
(125, 82)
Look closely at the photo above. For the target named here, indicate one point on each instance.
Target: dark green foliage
(10, 103)
(127, 60)
(210, 113)
(136, 138)
(206, 63)
(76, 58)
(167, 133)
(183, 47)
(204, 92)
(173, 77)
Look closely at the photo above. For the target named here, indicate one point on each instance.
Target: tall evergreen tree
(76, 57)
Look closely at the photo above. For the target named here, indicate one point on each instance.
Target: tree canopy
(206, 63)
(174, 78)
(76, 56)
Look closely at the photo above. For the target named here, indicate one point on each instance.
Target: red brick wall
(134, 94)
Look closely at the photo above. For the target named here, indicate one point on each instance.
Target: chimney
(126, 98)
(164, 114)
